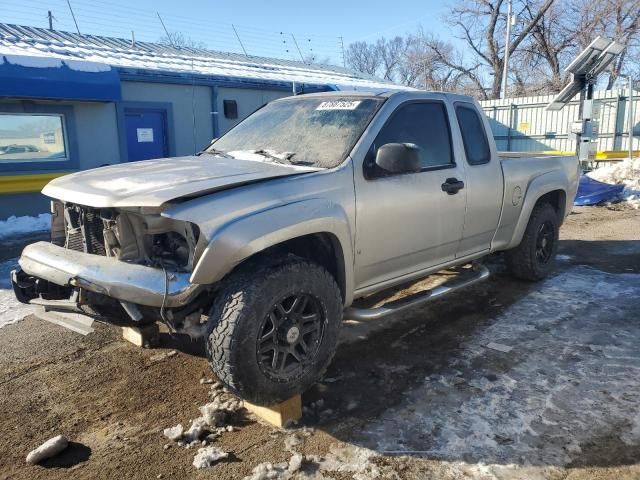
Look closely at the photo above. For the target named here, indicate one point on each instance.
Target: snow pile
(216, 417)
(208, 456)
(19, 225)
(11, 311)
(48, 449)
(174, 433)
(353, 460)
(347, 461)
(626, 172)
(277, 471)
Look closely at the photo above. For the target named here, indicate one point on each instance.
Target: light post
(630, 115)
(507, 45)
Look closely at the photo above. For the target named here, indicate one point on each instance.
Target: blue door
(146, 134)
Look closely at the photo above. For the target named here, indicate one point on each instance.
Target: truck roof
(405, 94)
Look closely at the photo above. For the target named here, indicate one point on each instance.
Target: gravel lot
(418, 396)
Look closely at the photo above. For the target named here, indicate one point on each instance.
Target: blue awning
(54, 78)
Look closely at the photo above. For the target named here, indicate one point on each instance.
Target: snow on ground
(627, 172)
(570, 379)
(13, 226)
(11, 310)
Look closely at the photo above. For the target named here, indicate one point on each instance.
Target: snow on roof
(23, 41)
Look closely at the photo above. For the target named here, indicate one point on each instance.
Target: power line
(166, 31)
(239, 41)
(268, 44)
(74, 17)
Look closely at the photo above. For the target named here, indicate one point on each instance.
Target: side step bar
(480, 272)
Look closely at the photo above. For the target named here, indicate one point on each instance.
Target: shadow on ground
(74, 454)
(566, 394)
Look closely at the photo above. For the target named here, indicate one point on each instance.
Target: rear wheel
(273, 328)
(534, 258)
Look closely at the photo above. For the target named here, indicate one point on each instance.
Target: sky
(284, 29)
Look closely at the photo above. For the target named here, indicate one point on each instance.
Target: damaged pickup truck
(262, 241)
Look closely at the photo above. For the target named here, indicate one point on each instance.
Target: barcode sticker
(339, 105)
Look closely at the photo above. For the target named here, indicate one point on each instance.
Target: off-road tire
(242, 303)
(522, 261)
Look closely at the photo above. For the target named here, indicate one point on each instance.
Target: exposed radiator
(84, 230)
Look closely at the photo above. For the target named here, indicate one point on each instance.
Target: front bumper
(123, 281)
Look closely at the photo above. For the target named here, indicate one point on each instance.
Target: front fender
(236, 241)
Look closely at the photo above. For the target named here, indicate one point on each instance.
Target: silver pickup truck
(263, 241)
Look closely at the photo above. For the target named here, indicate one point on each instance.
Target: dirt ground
(419, 396)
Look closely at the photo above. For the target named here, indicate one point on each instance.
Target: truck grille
(84, 230)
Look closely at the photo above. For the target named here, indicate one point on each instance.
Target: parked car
(11, 149)
(264, 240)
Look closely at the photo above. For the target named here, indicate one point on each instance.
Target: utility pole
(507, 46)
(424, 64)
(630, 115)
(50, 17)
(344, 59)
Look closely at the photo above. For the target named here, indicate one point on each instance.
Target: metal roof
(18, 40)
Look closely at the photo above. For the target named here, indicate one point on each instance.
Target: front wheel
(273, 328)
(534, 258)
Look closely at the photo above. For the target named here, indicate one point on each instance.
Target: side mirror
(398, 158)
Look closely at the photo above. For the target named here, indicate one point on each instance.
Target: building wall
(247, 100)
(97, 134)
(191, 108)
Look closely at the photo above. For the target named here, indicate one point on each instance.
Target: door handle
(452, 186)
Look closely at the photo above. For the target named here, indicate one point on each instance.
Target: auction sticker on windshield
(339, 105)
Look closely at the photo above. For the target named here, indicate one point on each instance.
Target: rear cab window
(474, 136)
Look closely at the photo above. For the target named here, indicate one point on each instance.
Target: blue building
(70, 102)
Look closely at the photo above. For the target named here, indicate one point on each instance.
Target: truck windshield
(312, 131)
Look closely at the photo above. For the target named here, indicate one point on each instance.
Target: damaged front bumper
(127, 282)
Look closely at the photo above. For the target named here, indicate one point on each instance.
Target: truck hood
(151, 183)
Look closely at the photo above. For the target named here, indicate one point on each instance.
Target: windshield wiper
(304, 163)
(285, 159)
(213, 151)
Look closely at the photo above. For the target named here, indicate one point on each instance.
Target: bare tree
(408, 60)
(179, 39)
(570, 26)
(481, 24)
(620, 20)
(363, 57)
(546, 37)
(391, 54)
(310, 58)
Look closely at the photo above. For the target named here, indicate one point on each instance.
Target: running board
(480, 272)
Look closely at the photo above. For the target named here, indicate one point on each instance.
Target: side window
(423, 124)
(474, 136)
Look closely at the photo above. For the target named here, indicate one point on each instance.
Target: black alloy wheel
(289, 337)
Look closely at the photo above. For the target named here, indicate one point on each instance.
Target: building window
(230, 109)
(32, 137)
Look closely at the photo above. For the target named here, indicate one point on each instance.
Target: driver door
(406, 223)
